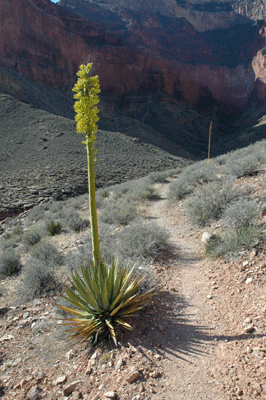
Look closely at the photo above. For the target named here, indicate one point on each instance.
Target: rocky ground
(42, 158)
(203, 336)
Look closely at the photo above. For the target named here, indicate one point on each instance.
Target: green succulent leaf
(104, 297)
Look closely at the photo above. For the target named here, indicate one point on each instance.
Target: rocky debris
(35, 393)
(110, 395)
(207, 237)
(132, 376)
(67, 390)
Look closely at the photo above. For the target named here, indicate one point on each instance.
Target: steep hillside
(154, 67)
(42, 157)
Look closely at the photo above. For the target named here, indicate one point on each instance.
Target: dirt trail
(190, 348)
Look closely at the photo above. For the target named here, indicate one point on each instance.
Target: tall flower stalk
(87, 90)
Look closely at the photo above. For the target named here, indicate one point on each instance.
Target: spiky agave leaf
(103, 297)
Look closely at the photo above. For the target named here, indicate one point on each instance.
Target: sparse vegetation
(44, 252)
(54, 228)
(234, 242)
(118, 212)
(142, 240)
(241, 214)
(38, 279)
(209, 202)
(9, 263)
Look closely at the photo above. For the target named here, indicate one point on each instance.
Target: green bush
(9, 263)
(54, 228)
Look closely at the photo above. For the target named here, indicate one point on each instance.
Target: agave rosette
(104, 297)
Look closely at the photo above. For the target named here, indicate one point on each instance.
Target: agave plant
(104, 298)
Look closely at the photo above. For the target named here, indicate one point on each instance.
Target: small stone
(6, 337)
(110, 395)
(249, 349)
(248, 320)
(253, 254)
(248, 328)
(71, 387)
(101, 387)
(207, 237)
(70, 354)
(249, 280)
(257, 387)
(94, 356)
(119, 364)
(239, 392)
(88, 371)
(26, 315)
(245, 263)
(35, 393)
(132, 376)
(61, 379)
(209, 296)
(76, 396)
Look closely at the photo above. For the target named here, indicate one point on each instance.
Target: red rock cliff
(135, 52)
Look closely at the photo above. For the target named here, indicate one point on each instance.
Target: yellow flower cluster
(87, 89)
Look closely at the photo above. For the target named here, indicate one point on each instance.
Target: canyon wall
(132, 52)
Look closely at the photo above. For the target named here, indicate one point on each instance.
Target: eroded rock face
(203, 16)
(132, 52)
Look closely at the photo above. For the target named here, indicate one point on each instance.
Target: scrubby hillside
(42, 158)
(208, 319)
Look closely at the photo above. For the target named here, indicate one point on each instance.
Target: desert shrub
(31, 238)
(38, 279)
(105, 193)
(158, 176)
(71, 218)
(108, 246)
(9, 263)
(143, 191)
(179, 189)
(119, 212)
(142, 240)
(232, 243)
(46, 253)
(240, 166)
(193, 175)
(121, 190)
(56, 206)
(35, 214)
(76, 223)
(240, 214)
(209, 202)
(10, 244)
(34, 235)
(54, 228)
(77, 202)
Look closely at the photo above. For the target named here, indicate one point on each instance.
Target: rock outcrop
(132, 52)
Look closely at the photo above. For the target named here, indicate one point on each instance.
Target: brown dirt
(190, 344)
